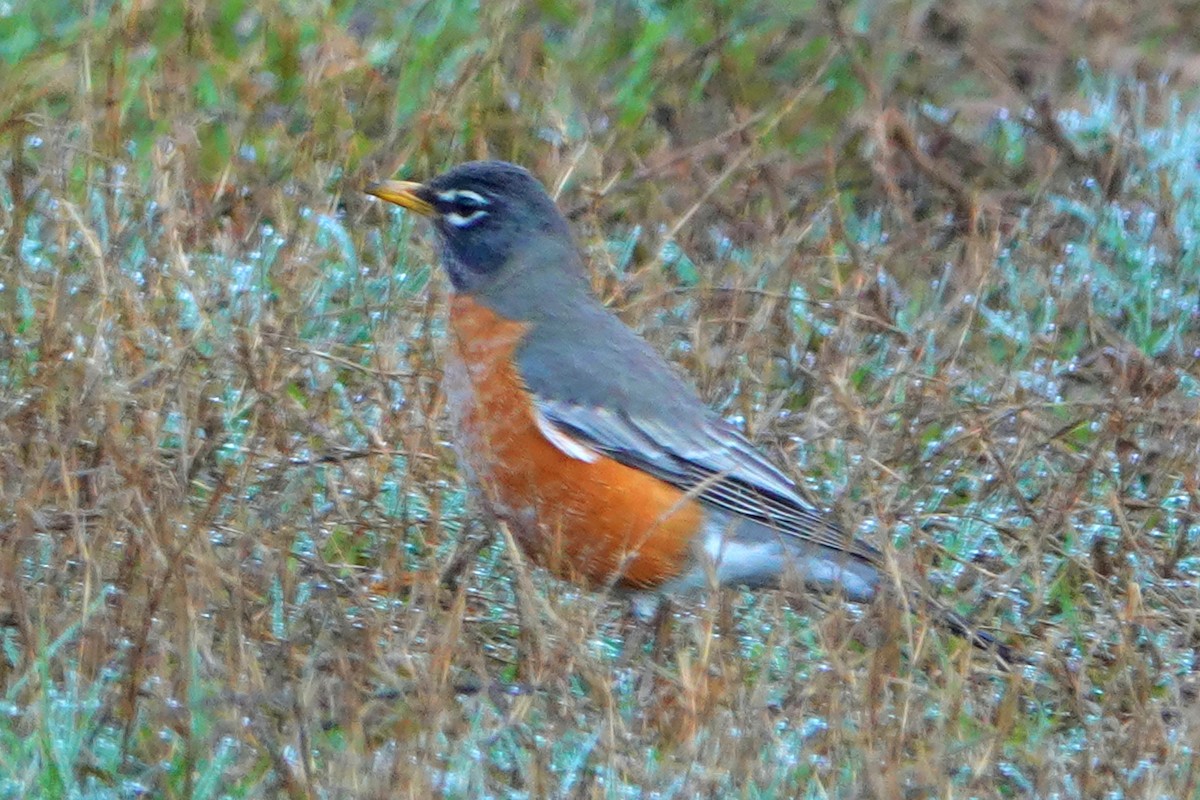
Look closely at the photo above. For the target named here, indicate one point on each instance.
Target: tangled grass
(942, 271)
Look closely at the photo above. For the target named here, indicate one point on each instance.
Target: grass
(940, 261)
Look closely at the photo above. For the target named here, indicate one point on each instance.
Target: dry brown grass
(236, 559)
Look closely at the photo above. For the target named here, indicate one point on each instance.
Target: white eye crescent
(465, 207)
(464, 197)
(459, 221)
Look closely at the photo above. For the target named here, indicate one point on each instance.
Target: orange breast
(587, 521)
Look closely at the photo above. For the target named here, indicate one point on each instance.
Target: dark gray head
(488, 214)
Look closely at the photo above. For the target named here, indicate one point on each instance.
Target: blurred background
(939, 258)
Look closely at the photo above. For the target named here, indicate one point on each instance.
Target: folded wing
(713, 461)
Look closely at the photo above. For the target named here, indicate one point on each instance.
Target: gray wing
(712, 460)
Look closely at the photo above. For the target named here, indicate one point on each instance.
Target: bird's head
(492, 218)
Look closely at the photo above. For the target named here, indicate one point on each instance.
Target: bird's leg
(662, 630)
(646, 612)
(531, 636)
(465, 552)
(650, 613)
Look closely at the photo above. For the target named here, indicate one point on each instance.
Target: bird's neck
(546, 285)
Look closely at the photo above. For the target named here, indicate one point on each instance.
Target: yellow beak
(402, 193)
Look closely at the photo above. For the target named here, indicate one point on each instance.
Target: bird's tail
(961, 626)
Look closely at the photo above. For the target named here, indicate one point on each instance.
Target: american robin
(605, 464)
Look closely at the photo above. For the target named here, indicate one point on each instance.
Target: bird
(603, 461)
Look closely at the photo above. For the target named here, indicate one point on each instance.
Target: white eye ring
(455, 195)
(459, 221)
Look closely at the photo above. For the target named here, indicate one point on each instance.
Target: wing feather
(715, 461)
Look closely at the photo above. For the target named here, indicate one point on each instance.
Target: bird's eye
(463, 207)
